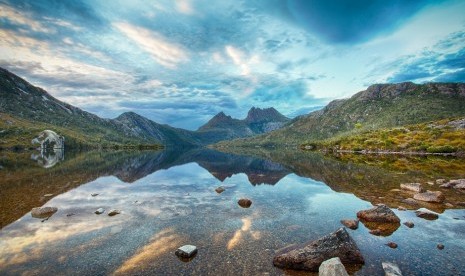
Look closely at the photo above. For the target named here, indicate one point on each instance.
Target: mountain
(381, 105)
(26, 110)
(258, 121)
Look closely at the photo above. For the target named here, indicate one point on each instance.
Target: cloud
(163, 52)
(443, 62)
(349, 22)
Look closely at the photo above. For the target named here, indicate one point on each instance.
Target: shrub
(441, 149)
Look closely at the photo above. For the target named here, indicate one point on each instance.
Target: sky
(180, 62)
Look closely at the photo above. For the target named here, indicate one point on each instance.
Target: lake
(168, 199)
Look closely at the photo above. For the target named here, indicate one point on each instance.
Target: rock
(376, 232)
(430, 183)
(350, 223)
(460, 204)
(448, 205)
(460, 186)
(410, 201)
(220, 189)
(391, 269)
(440, 246)
(409, 224)
(426, 214)
(414, 187)
(430, 196)
(394, 190)
(392, 245)
(379, 213)
(332, 267)
(114, 212)
(440, 181)
(99, 211)
(309, 256)
(48, 195)
(446, 185)
(94, 194)
(70, 214)
(43, 212)
(401, 208)
(244, 202)
(457, 181)
(186, 251)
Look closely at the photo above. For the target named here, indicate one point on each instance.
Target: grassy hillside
(380, 106)
(444, 136)
(18, 133)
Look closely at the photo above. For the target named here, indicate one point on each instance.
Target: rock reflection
(48, 158)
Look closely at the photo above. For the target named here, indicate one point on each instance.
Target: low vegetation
(444, 136)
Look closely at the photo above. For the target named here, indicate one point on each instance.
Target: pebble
(409, 224)
(94, 194)
(100, 211)
(440, 246)
(220, 189)
(392, 244)
(186, 251)
(244, 202)
(114, 212)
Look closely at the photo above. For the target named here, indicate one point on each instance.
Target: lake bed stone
(413, 187)
(430, 196)
(391, 269)
(244, 202)
(186, 251)
(99, 211)
(43, 212)
(332, 267)
(309, 256)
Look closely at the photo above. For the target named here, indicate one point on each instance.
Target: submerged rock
(99, 211)
(350, 223)
(440, 246)
(391, 269)
(332, 267)
(244, 202)
(43, 212)
(426, 214)
(93, 195)
(410, 201)
(114, 212)
(414, 187)
(430, 196)
(409, 224)
(379, 213)
(220, 189)
(392, 245)
(186, 251)
(309, 256)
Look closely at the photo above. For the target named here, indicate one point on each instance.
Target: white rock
(186, 251)
(332, 267)
(100, 211)
(391, 269)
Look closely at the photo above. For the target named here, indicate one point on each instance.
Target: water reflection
(49, 157)
(168, 199)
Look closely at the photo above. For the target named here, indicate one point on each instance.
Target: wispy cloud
(163, 52)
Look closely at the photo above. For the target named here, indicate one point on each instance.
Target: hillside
(380, 106)
(26, 110)
(444, 136)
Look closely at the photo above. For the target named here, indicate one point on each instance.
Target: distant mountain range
(25, 110)
(380, 106)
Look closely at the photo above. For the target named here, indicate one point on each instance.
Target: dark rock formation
(309, 256)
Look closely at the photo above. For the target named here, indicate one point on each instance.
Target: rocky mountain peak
(256, 115)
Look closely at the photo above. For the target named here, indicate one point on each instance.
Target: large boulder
(379, 213)
(332, 267)
(309, 256)
(430, 196)
(413, 187)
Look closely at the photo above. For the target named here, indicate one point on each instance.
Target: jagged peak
(256, 114)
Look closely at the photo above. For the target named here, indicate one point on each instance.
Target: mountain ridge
(380, 105)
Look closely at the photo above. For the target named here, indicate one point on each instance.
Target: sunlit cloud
(163, 52)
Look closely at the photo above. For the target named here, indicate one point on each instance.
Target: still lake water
(168, 199)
